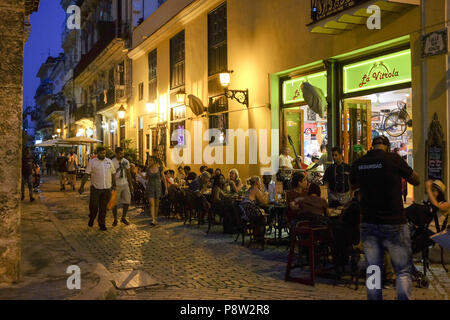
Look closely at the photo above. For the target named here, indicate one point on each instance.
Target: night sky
(46, 29)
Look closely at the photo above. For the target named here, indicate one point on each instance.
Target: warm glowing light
(80, 132)
(58, 130)
(225, 79)
(151, 107)
(181, 96)
(121, 113)
(163, 108)
(89, 132)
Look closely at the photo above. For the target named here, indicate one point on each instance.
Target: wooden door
(293, 126)
(356, 128)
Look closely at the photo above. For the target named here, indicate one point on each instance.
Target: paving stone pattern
(190, 264)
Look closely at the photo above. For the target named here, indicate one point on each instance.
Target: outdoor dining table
(278, 220)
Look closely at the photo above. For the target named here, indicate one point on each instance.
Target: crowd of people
(369, 192)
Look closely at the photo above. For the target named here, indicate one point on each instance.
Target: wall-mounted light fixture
(181, 96)
(121, 113)
(240, 96)
(150, 107)
(58, 131)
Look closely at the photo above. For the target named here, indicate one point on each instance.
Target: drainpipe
(424, 96)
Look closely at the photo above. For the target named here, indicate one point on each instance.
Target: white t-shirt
(125, 165)
(285, 161)
(100, 171)
(271, 190)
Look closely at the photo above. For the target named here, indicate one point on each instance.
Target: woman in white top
(436, 194)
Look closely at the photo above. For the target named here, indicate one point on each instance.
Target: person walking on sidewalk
(72, 166)
(154, 176)
(103, 182)
(27, 171)
(124, 185)
(48, 165)
(61, 163)
(378, 175)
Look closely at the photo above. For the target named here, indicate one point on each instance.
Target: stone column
(12, 15)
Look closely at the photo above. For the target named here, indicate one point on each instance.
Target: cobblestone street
(189, 264)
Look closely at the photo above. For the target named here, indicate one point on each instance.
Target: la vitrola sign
(382, 71)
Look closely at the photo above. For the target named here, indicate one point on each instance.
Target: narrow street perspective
(185, 262)
(245, 153)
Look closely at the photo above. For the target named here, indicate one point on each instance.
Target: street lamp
(121, 112)
(58, 131)
(181, 96)
(240, 96)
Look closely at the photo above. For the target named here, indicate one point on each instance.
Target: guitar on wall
(297, 161)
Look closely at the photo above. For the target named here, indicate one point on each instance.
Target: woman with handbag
(153, 191)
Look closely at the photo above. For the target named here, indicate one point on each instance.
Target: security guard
(383, 226)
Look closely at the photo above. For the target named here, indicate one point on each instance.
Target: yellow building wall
(274, 38)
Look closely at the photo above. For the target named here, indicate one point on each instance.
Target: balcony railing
(321, 9)
(44, 89)
(52, 108)
(83, 112)
(106, 33)
(44, 125)
(110, 99)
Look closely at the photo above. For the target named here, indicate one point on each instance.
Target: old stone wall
(11, 69)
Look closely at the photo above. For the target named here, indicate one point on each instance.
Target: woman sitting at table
(252, 213)
(313, 207)
(296, 194)
(234, 181)
(223, 205)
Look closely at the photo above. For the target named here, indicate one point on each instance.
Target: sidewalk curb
(105, 289)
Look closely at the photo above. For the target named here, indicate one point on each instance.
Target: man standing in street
(27, 171)
(336, 178)
(61, 163)
(124, 185)
(378, 175)
(103, 181)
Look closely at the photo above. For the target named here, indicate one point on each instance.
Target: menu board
(434, 163)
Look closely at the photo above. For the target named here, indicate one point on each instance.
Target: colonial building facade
(272, 47)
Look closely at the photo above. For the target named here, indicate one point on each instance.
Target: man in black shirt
(337, 180)
(27, 171)
(383, 226)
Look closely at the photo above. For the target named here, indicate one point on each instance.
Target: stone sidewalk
(45, 258)
(189, 264)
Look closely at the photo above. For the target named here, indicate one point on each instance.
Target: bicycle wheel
(394, 125)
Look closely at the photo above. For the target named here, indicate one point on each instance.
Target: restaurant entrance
(385, 113)
(356, 128)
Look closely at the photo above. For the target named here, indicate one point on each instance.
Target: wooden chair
(253, 224)
(317, 240)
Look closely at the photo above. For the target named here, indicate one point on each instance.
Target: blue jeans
(397, 241)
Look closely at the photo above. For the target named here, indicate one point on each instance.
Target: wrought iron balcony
(83, 112)
(106, 33)
(336, 16)
(54, 107)
(44, 125)
(321, 9)
(110, 99)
